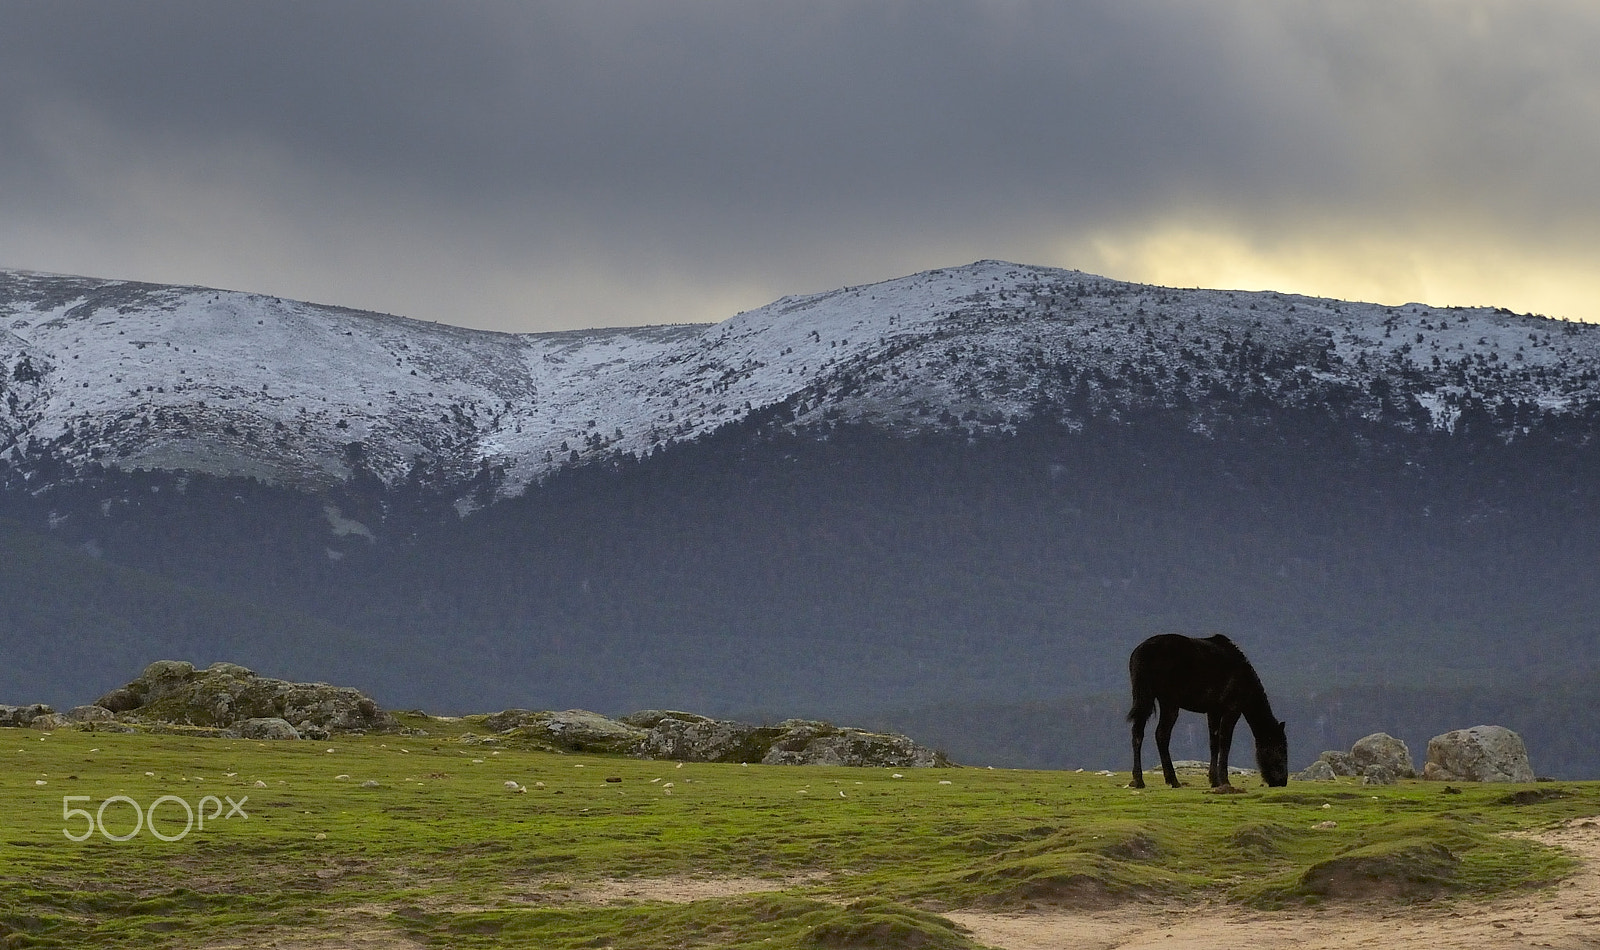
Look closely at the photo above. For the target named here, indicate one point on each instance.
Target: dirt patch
(352, 931)
(1565, 917)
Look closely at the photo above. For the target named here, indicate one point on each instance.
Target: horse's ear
(1284, 726)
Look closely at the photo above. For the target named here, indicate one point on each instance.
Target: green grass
(441, 852)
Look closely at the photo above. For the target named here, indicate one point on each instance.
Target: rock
(1197, 767)
(574, 730)
(805, 744)
(509, 719)
(23, 715)
(267, 728)
(120, 700)
(693, 738)
(223, 694)
(94, 713)
(1318, 771)
(650, 718)
(706, 740)
(1380, 748)
(1478, 754)
(1340, 762)
(50, 721)
(1379, 775)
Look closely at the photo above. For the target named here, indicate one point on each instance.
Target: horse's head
(1272, 755)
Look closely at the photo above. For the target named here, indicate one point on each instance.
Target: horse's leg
(1142, 708)
(1214, 727)
(1221, 746)
(1169, 716)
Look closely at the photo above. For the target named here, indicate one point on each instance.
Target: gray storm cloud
(527, 165)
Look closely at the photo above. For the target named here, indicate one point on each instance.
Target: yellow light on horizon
(1469, 268)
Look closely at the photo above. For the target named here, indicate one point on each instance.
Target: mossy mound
(1409, 868)
(880, 925)
(1262, 839)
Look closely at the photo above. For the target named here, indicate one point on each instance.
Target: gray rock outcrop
(687, 737)
(23, 715)
(706, 740)
(225, 694)
(571, 730)
(819, 743)
(1478, 754)
(90, 714)
(1382, 749)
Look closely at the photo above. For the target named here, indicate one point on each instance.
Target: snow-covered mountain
(180, 378)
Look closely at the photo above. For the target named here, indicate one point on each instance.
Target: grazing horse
(1209, 676)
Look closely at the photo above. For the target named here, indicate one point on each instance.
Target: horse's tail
(1142, 700)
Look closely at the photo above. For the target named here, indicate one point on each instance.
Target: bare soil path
(1566, 917)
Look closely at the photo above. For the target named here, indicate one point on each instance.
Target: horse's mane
(1221, 642)
(1232, 648)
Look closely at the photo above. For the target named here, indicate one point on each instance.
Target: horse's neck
(1258, 713)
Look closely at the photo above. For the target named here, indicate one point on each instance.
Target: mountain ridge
(95, 371)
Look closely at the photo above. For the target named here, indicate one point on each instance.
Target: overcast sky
(531, 165)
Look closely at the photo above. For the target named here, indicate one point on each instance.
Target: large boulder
(224, 694)
(1478, 754)
(1382, 749)
(1379, 775)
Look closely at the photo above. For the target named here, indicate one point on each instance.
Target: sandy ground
(1566, 917)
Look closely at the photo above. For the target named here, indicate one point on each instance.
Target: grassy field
(418, 840)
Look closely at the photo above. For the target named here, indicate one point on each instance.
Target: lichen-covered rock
(267, 728)
(706, 740)
(23, 715)
(1478, 754)
(1318, 771)
(574, 730)
(856, 747)
(223, 694)
(1380, 748)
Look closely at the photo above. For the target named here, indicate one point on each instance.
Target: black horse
(1210, 676)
